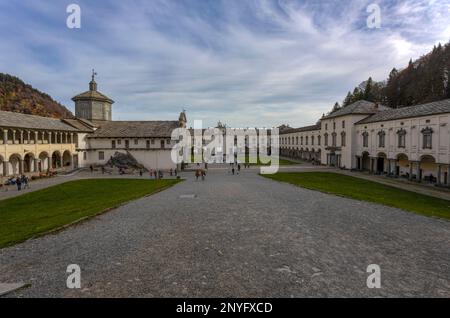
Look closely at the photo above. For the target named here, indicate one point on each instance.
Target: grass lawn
(42, 211)
(365, 190)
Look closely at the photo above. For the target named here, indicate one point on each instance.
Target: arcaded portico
(411, 142)
(35, 144)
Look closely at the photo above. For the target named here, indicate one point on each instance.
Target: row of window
(427, 138)
(296, 140)
(334, 125)
(288, 140)
(148, 143)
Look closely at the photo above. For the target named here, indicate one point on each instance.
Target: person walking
(203, 175)
(18, 183)
(232, 171)
(92, 168)
(239, 168)
(155, 174)
(197, 174)
(24, 181)
(140, 172)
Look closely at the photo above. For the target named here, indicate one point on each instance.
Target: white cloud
(244, 63)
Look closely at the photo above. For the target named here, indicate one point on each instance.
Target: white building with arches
(33, 144)
(411, 142)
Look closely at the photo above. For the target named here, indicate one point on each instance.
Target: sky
(244, 62)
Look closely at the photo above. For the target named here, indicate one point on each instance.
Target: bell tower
(93, 105)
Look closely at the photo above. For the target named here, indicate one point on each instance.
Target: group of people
(236, 167)
(159, 174)
(22, 183)
(200, 173)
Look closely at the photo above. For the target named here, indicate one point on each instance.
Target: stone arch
(381, 162)
(428, 168)
(56, 160)
(365, 161)
(15, 164)
(402, 168)
(427, 159)
(67, 159)
(44, 161)
(28, 162)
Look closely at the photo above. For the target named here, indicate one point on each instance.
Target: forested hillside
(422, 81)
(16, 96)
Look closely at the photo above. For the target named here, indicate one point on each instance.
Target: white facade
(411, 142)
(152, 153)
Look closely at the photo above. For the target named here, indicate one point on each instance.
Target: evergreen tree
(368, 91)
(336, 107)
(348, 99)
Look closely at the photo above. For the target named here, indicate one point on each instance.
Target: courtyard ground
(366, 190)
(238, 236)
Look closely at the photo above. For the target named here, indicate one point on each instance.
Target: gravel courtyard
(238, 236)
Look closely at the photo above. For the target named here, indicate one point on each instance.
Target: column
(419, 172)
(448, 176)
(5, 136)
(397, 171)
(5, 168)
(35, 137)
(36, 165)
(439, 175)
(49, 163)
(14, 137)
(21, 137)
(21, 166)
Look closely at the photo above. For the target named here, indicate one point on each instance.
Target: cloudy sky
(244, 62)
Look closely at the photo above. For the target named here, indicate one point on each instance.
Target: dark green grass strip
(46, 210)
(365, 190)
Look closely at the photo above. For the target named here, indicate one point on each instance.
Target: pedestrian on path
(18, 183)
(197, 174)
(203, 175)
(25, 183)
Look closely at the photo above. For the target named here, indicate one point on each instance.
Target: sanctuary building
(33, 144)
(411, 142)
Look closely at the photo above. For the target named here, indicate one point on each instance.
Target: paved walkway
(238, 236)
